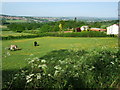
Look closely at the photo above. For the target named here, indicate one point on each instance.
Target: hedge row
(55, 34)
(18, 37)
(76, 34)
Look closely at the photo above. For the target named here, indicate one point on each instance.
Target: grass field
(16, 21)
(16, 59)
(68, 55)
(11, 33)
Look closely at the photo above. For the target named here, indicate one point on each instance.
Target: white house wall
(112, 29)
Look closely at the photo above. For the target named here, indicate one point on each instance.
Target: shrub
(71, 69)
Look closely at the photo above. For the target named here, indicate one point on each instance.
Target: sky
(58, 9)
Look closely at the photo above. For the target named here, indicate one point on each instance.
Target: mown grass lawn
(12, 60)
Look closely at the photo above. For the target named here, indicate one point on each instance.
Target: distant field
(11, 33)
(15, 21)
(17, 60)
(3, 26)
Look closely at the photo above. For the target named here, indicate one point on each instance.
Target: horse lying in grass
(14, 48)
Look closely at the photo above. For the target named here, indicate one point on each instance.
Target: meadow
(16, 21)
(13, 61)
(6, 35)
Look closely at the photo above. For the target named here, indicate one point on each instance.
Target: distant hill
(47, 19)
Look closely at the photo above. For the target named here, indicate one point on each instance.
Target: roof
(97, 29)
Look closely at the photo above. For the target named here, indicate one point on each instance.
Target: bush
(71, 69)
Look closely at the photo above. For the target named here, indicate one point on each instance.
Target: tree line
(54, 26)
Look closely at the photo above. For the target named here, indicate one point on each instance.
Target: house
(113, 29)
(84, 28)
(97, 29)
(78, 29)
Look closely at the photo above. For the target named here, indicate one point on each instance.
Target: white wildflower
(15, 78)
(75, 66)
(28, 77)
(58, 67)
(31, 75)
(93, 67)
(49, 75)
(56, 73)
(30, 61)
(43, 74)
(8, 53)
(39, 66)
(112, 62)
(83, 72)
(76, 75)
(6, 48)
(29, 80)
(38, 76)
(43, 61)
(44, 66)
(36, 58)
(62, 62)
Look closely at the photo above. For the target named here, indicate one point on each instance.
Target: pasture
(13, 61)
(16, 59)
(11, 33)
(16, 21)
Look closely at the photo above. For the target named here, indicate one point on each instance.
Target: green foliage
(76, 34)
(46, 28)
(3, 22)
(53, 26)
(7, 35)
(70, 69)
(23, 26)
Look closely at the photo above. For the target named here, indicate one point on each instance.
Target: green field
(15, 21)
(11, 33)
(16, 59)
(13, 61)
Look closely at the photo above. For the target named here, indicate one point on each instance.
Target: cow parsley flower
(58, 67)
(112, 62)
(28, 77)
(56, 73)
(49, 75)
(8, 53)
(29, 80)
(62, 62)
(38, 76)
(43, 61)
(43, 66)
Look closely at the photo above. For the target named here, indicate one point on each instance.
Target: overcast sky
(89, 9)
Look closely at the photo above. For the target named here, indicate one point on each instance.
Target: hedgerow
(57, 34)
